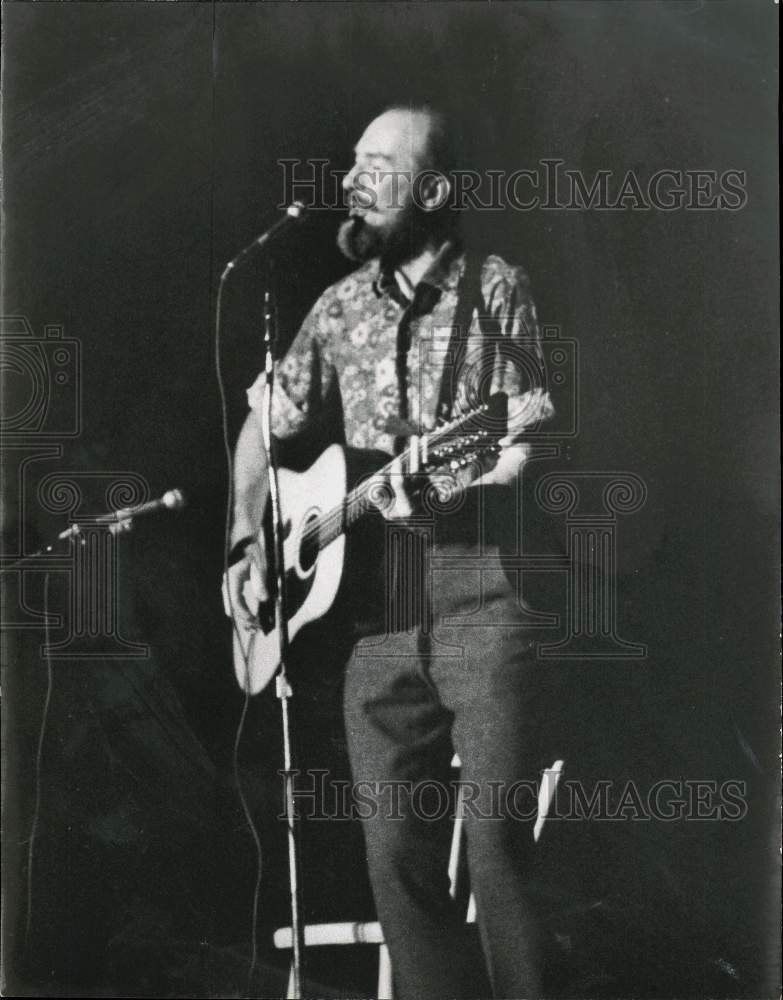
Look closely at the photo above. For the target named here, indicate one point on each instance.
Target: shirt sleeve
(513, 343)
(303, 380)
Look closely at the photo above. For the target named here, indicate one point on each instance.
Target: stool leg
(546, 793)
(385, 990)
(290, 991)
(456, 842)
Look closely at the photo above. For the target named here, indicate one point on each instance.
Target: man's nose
(348, 179)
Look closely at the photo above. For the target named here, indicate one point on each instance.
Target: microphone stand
(283, 689)
(75, 533)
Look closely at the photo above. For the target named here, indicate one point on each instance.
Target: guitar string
(352, 505)
(321, 529)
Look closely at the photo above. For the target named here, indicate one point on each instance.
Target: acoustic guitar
(318, 509)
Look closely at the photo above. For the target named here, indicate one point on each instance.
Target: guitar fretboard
(330, 525)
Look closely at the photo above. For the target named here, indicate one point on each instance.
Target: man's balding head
(398, 186)
(432, 131)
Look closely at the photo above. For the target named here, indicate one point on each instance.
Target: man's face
(383, 219)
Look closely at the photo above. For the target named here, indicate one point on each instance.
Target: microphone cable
(246, 701)
(39, 763)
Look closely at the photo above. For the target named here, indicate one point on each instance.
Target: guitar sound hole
(308, 547)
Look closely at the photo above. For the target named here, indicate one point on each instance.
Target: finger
(379, 493)
(240, 612)
(235, 597)
(258, 573)
(258, 582)
(226, 599)
(402, 504)
(444, 485)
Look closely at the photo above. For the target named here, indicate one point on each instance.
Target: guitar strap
(469, 297)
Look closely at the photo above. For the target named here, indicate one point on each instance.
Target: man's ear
(432, 191)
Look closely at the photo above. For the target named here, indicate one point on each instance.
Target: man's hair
(440, 151)
(439, 155)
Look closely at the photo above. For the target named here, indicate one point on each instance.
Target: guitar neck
(415, 458)
(354, 505)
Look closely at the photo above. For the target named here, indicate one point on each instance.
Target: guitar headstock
(470, 437)
(460, 452)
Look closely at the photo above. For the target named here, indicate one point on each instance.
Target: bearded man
(449, 667)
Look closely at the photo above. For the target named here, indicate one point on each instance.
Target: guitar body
(317, 510)
(311, 581)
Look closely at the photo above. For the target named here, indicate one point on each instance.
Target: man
(448, 670)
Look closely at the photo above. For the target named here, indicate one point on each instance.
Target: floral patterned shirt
(342, 368)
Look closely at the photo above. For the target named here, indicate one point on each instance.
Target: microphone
(171, 500)
(295, 212)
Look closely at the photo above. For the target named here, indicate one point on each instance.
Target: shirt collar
(442, 275)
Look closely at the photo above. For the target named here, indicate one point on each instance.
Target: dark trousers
(457, 672)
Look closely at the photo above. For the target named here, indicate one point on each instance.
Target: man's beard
(360, 242)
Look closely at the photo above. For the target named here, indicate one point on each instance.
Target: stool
(370, 932)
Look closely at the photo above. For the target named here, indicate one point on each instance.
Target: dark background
(140, 152)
